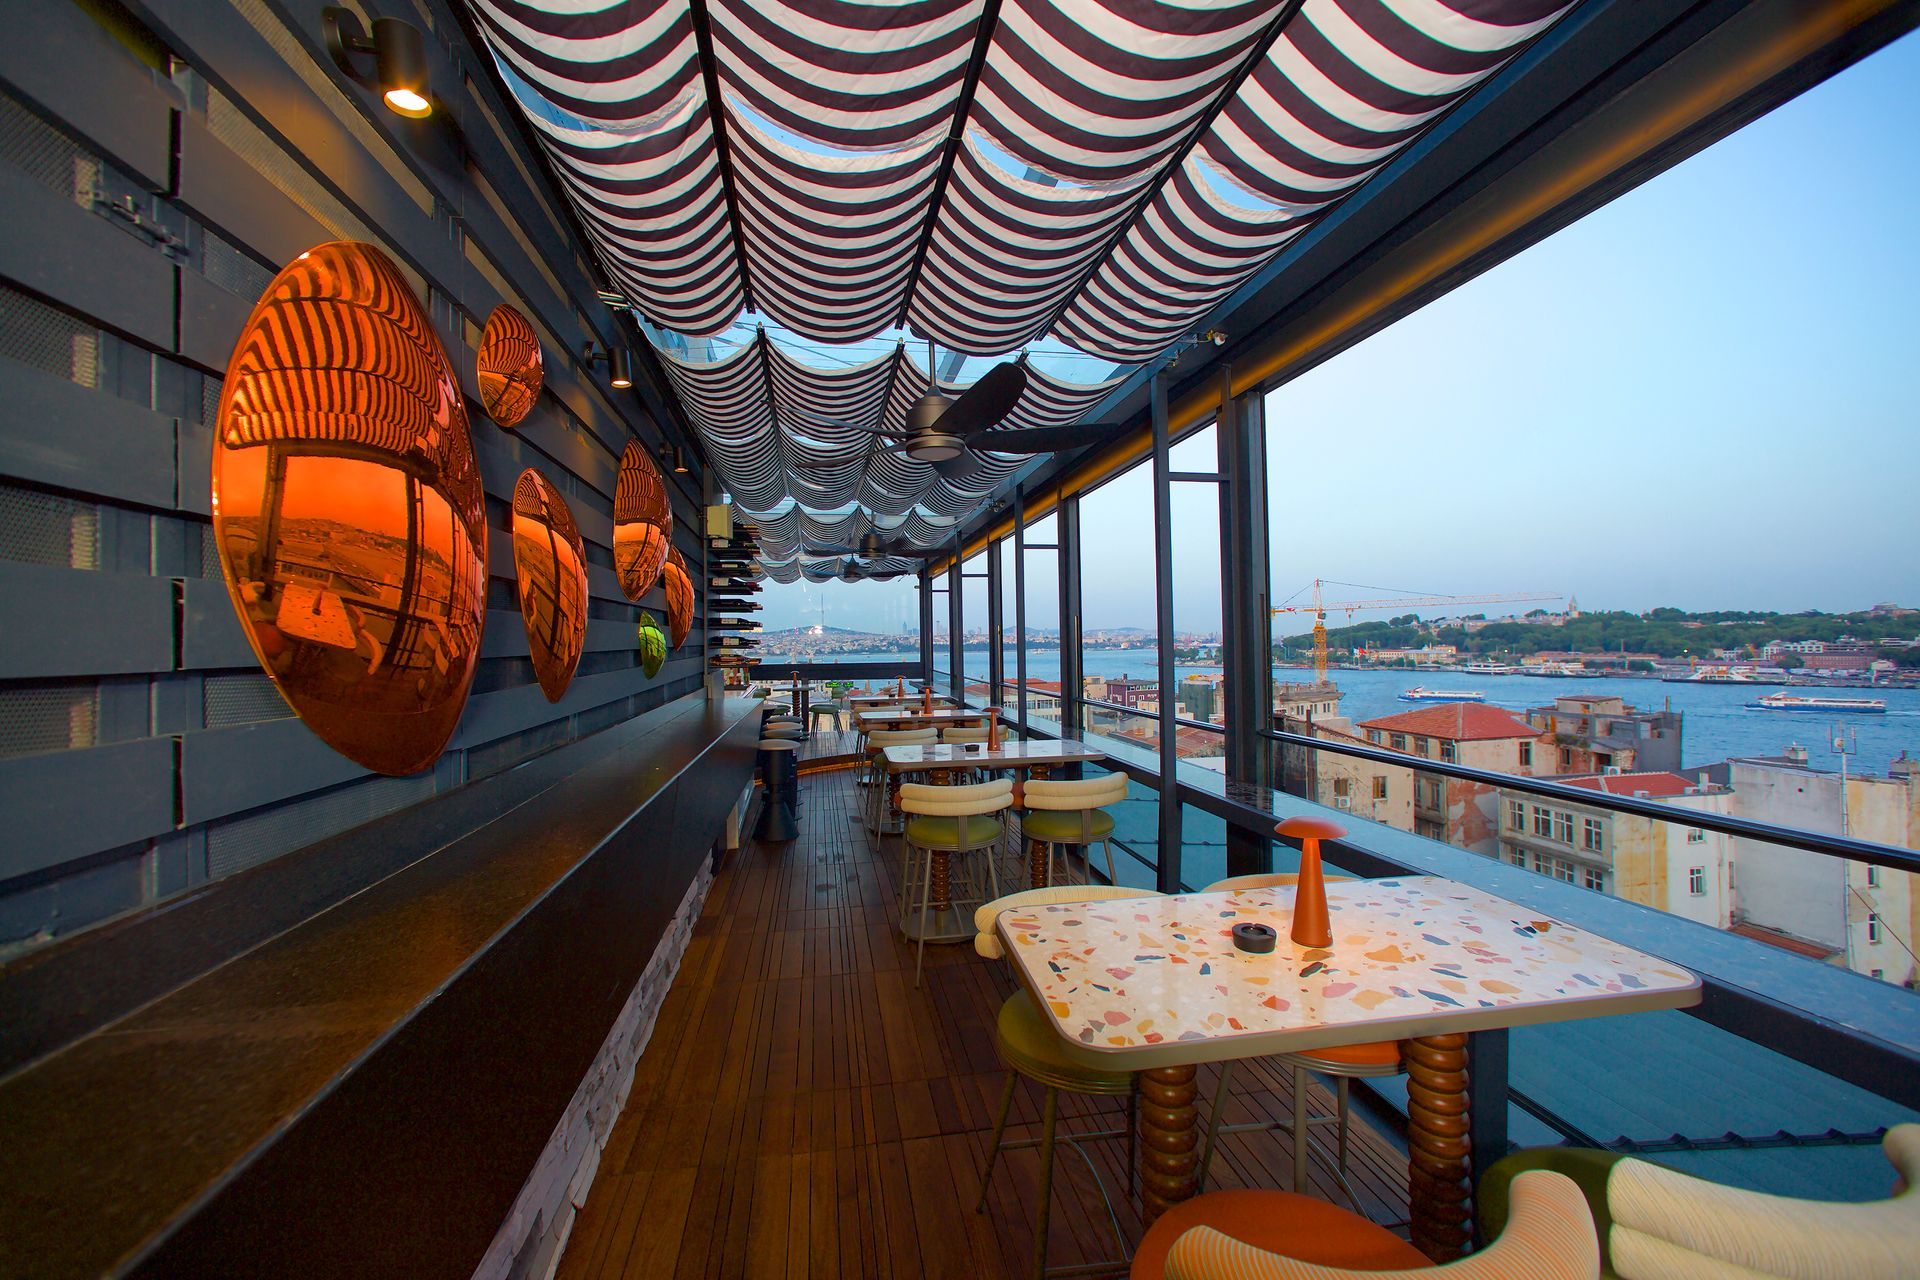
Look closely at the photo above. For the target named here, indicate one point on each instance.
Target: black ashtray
(1256, 938)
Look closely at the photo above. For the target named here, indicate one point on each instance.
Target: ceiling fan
(941, 430)
(874, 547)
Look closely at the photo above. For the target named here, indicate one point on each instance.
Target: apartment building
(1464, 814)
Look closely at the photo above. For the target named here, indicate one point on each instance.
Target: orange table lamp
(1312, 927)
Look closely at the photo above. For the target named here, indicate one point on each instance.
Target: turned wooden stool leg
(1036, 864)
(940, 880)
(1437, 1182)
(1169, 1136)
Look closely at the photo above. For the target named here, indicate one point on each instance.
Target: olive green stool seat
(1027, 1043)
(931, 832)
(1056, 827)
(1067, 813)
(951, 839)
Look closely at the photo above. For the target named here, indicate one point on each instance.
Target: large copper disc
(679, 585)
(348, 510)
(509, 367)
(642, 522)
(551, 564)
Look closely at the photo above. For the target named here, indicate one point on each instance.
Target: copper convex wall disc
(348, 511)
(679, 584)
(509, 367)
(642, 522)
(550, 563)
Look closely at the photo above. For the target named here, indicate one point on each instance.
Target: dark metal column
(996, 668)
(956, 656)
(926, 626)
(1020, 609)
(1072, 714)
(1245, 633)
(1168, 874)
(1487, 1059)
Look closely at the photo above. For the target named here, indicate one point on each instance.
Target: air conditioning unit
(1343, 802)
(1612, 769)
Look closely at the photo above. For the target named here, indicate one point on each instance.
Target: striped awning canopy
(986, 174)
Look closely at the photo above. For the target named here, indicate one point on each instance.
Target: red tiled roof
(1459, 721)
(1784, 941)
(1658, 785)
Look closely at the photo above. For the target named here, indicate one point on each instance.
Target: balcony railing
(1843, 1024)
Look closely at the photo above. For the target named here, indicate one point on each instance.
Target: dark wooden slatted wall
(158, 164)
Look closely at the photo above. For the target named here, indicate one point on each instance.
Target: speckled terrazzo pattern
(1147, 971)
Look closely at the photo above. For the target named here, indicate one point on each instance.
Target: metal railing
(1839, 1030)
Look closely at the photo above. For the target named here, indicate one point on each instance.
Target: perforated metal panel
(249, 840)
(241, 698)
(47, 338)
(234, 271)
(51, 717)
(209, 554)
(45, 528)
(45, 153)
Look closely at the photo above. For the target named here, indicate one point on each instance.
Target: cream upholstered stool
(1277, 1235)
(880, 800)
(1341, 1063)
(963, 733)
(1029, 1047)
(1068, 813)
(944, 823)
(1655, 1222)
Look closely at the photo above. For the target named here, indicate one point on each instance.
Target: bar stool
(1341, 1063)
(1068, 813)
(824, 710)
(780, 778)
(944, 823)
(880, 800)
(1028, 1046)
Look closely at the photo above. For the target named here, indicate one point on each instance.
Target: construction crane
(1319, 609)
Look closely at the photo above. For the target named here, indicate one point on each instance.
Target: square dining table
(1156, 985)
(914, 717)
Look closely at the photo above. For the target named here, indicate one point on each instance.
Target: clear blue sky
(1703, 395)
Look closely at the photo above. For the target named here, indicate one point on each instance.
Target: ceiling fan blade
(953, 468)
(1043, 439)
(987, 402)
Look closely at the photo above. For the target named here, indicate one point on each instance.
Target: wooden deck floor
(803, 1111)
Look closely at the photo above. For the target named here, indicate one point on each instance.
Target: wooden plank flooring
(803, 1111)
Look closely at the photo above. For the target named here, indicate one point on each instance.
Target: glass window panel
(1043, 623)
(975, 642)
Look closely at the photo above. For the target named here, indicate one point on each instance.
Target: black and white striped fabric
(786, 439)
(1122, 164)
(1110, 173)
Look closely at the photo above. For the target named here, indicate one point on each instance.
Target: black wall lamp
(619, 364)
(399, 59)
(676, 460)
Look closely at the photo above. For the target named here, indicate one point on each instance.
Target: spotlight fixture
(399, 59)
(677, 457)
(619, 364)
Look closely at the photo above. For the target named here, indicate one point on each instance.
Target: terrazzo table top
(1133, 983)
(945, 755)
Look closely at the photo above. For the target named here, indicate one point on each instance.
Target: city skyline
(1624, 412)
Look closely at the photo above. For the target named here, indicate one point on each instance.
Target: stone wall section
(530, 1242)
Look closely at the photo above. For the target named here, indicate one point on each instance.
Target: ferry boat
(1490, 669)
(1420, 694)
(1841, 706)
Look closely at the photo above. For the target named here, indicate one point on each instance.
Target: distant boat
(1489, 669)
(1419, 694)
(1723, 675)
(1843, 706)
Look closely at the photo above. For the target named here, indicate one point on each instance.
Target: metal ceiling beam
(969, 84)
